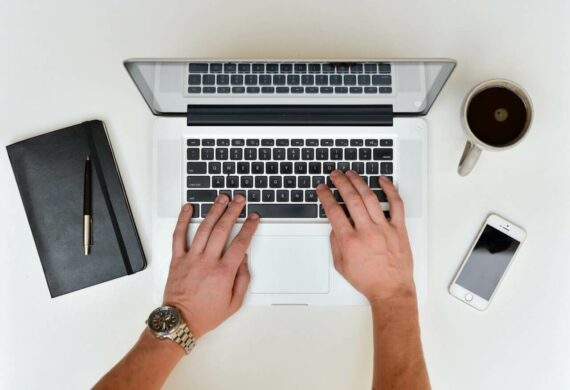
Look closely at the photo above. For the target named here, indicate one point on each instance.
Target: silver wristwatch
(167, 323)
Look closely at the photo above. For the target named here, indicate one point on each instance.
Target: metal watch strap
(184, 338)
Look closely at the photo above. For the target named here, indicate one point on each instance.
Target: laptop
(272, 130)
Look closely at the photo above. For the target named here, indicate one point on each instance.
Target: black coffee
(497, 116)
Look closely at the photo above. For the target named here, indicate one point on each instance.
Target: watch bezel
(164, 334)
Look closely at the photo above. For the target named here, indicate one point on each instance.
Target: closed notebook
(49, 170)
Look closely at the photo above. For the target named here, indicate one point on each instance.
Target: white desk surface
(61, 63)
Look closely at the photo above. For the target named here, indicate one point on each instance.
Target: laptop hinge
(289, 115)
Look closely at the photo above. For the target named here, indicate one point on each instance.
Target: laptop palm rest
(289, 265)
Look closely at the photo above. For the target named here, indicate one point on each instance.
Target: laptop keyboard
(278, 176)
(310, 78)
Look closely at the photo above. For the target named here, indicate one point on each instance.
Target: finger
(371, 201)
(223, 228)
(394, 200)
(203, 233)
(179, 237)
(240, 285)
(336, 253)
(237, 249)
(337, 218)
(351, 198)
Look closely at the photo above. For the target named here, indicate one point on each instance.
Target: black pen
(87, 206)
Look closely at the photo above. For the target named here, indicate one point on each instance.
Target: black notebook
(49, 170)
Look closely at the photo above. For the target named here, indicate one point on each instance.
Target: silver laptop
(274, 129)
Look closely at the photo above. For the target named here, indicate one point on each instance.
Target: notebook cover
(49, 170)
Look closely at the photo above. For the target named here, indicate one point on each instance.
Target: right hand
(372, 253)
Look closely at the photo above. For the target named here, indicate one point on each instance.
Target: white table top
(61, 64)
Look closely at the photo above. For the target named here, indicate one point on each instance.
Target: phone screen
(487, 263)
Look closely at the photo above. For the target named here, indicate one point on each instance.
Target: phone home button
(468, 297)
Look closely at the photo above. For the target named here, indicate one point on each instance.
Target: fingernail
(223, 199)
(254, 216)
(320, 187)
(383, 178)
(336, 172)
(350, 173)
(239, 198)
(186, 207)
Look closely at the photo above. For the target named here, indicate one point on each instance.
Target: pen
(87, 206)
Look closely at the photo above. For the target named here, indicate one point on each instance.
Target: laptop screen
(409, 86)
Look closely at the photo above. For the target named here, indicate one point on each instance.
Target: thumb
(240, 285)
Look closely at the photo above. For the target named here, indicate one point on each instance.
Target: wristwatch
(166, 322)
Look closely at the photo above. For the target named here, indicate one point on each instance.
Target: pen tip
(88, 157)
(86, 251)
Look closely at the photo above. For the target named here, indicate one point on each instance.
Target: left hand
(206, 283)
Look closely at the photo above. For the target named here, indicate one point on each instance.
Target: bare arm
(205, 283)
(374, 255)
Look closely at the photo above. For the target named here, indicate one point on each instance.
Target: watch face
(163, 319)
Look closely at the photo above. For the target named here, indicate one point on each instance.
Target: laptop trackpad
(289, 264)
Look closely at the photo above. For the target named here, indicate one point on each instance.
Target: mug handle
(470, 156)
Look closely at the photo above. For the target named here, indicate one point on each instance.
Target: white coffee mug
(475, 144)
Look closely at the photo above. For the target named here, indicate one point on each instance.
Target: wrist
(163, 347)
(402, 297)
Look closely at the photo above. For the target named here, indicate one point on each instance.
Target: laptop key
(349, 79)
(318, 180)
(328, 68)
(311, 196)
(370, 90)
(238, 142)
(312, 142)
(218, 181)
(341, 90)
(308, 153)
(343, 166)
(221, 153)
(381, 79)
(293, 79)
(304, 181)
(244, 68)
(386, 168)
(209, 89)
(293, 153)
(236, 154)
(265, 79)
(194, 79)
(326, 90)
(267, 90)
(198, 68)
(289, 181)
(209, 79)
(336, 154)
(260, 182)
(372, 167)
(356, 68)
(385, 89)
(297, 89)
(250, 154)
(271, 168)
(194, 90)
(322, 80)
(364, 79)
(222, 79)
(252, 142)
(335, 80)
(364, 154)
(358, 167)
(272, 68)
(286, 168)
(380, 195)
(243, 168)
(223, 142)
(232, 181)
(286, 68)
(374, 182)
(386, 142)
(275, 182)
(267, 142)
(328, 167)
(322, 153)
(257, 168)
(229, 167)
(371, 142)
(314, 68)
(192, 154)
(284, 210)
(300, 168)
(216, 68)
(296, 196)
(247, 181)
(258, 68)
(266, 196)
(341, 142)
(384, 68)
(312, 90)
(383, 154)
(201, 195)
(238, 89)
(223, 89)
(230, 68)
(300, 68)
(282, 196)
(208, 142)
(251, 79)
(350, 153)
(279, 79)
(264, 154)
(307, 79)
(214, 167)
(355, 90)
(370, 68)
(207, 153)
(195, 167)
(236, 79)
(297, 142)
(192, 142)
(279, 154)
(314, 167)
(253, 196)
(327, 142)
(282, 89)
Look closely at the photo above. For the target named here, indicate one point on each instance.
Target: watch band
(184, 338)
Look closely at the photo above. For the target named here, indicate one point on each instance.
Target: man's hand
(207, 283)
(372, 253)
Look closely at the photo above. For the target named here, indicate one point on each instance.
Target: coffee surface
(497, 116)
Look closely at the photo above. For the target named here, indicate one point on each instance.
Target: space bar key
(284, 210)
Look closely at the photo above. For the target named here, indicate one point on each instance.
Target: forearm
(146, 366)
(398, 357)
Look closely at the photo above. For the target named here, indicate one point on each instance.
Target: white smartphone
(494, 249)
